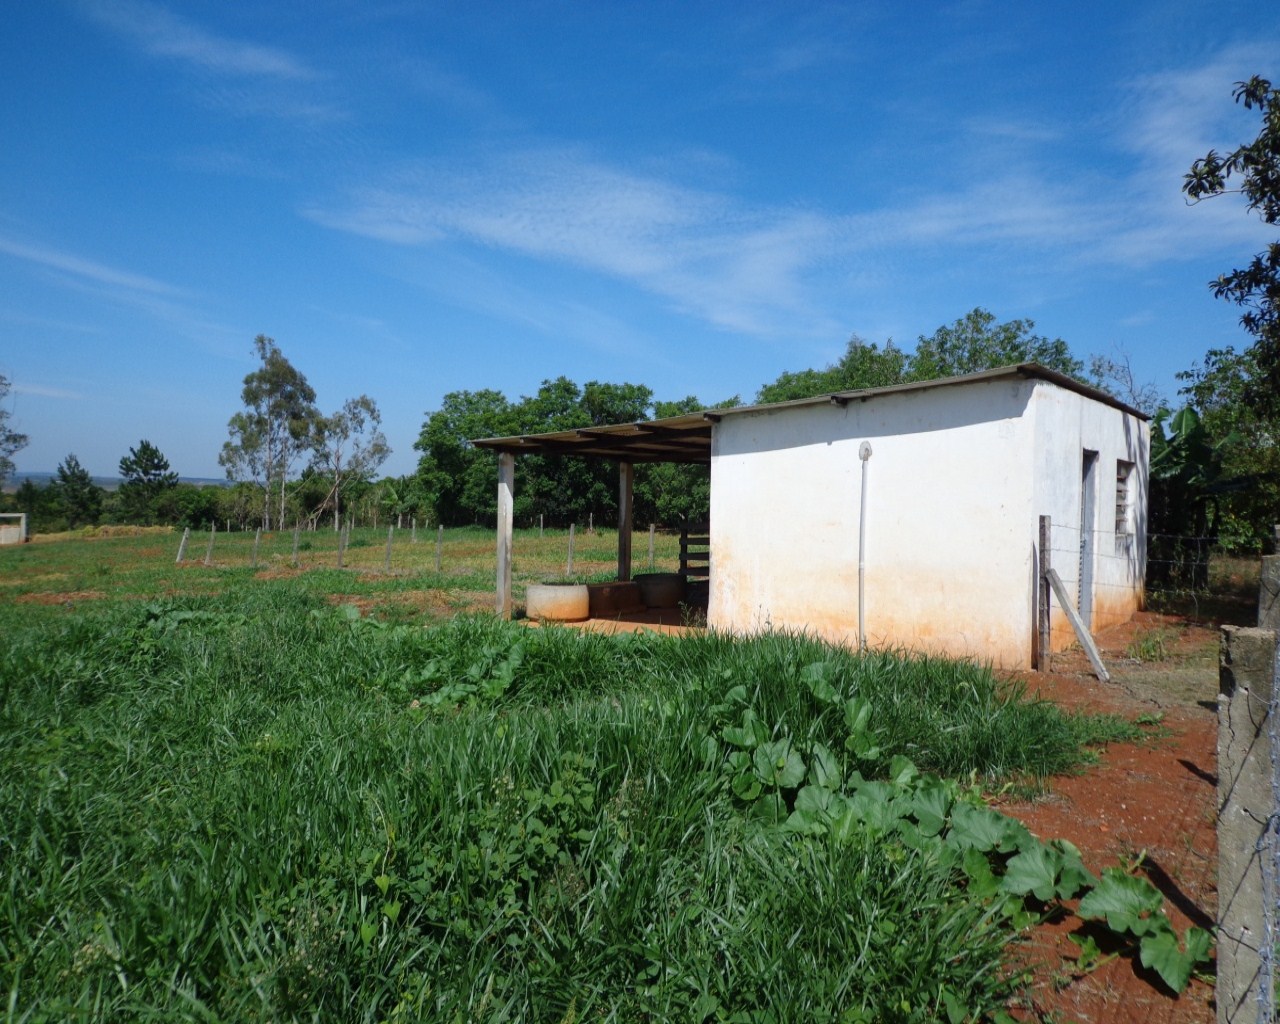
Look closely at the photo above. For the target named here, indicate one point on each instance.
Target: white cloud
(39, 391)
(84, 269)
(736, 267)
(164, 34)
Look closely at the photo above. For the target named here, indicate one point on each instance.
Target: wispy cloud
(84, 269)
(39, 391)
(164, 34)
(164, 302)
(1025, 200)
(714, 257)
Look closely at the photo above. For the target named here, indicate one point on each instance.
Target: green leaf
(751, 734)
(777, 765)
(818, 678)
(1034, 871)
(1073, 876)
(824, 767)
(930, 805)
(746, 787)
(1160, 952)
(1125, 901)
(977, 828)
(983, 883)
(902, 770)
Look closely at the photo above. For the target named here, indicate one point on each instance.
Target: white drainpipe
(864, 453)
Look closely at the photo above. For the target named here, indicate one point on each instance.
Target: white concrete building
(908, 516)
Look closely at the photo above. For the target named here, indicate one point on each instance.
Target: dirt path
(1155, 799)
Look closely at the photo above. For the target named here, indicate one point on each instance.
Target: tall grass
(256, 806)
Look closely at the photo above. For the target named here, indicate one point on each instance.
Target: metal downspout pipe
(864, 453)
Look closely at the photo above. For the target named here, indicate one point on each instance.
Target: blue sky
(417, 198)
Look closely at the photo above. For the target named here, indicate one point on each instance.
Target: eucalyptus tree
(10, 440)
(277, 424)
(349, 445)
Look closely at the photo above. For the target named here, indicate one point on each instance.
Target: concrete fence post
(1269, 593)
(1246, 817)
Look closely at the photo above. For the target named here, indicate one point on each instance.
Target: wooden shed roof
(687, 438)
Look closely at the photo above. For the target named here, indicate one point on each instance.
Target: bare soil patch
(1152, 803)
(62, 597)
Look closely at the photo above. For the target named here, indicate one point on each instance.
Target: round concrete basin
(557, 602)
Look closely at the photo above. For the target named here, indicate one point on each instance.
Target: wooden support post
(297, 528)
(386, 564)
(439, 544)
(413, 531)
(1044, 653)
(651, 532)
(506, 526)
(342, 547)
(1077, 623)
(208, 555)
(568, 569)
(539, 526)
(182, 544)
(626, 478)
(257, 540)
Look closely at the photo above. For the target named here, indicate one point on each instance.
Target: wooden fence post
(182, 544)
(386, 565)
(568, 570)
(296, 528)
(439, 544)
(257, 539)
(1043, 652)
(651, 528)
(208, 555)
(342, 546)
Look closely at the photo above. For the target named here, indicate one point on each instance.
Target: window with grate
(1124, 503)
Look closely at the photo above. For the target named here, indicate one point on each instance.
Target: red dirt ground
(1155, 798)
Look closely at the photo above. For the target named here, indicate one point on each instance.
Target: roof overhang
(687, 438)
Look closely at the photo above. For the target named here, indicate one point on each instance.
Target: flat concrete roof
(687, 438)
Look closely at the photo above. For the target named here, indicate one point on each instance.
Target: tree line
(1215, 460)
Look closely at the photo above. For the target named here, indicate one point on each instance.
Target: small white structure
(13, 527)
(909, 516)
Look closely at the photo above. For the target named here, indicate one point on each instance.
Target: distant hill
(108, 483)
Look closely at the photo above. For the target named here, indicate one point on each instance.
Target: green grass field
(277, 794)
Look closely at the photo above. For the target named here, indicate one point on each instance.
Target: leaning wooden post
(386, 565)
(182, 544)
(439, 544)
(1043, 654)
(208, 555)
(257, 539)
(568, 569)
(626, 477)
(506, 508)
(651, 529)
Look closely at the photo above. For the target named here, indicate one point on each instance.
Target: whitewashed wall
(1066, 424)
(952, 511)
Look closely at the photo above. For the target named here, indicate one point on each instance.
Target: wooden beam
(1082, 633)
(506, 527)
(626, 478)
